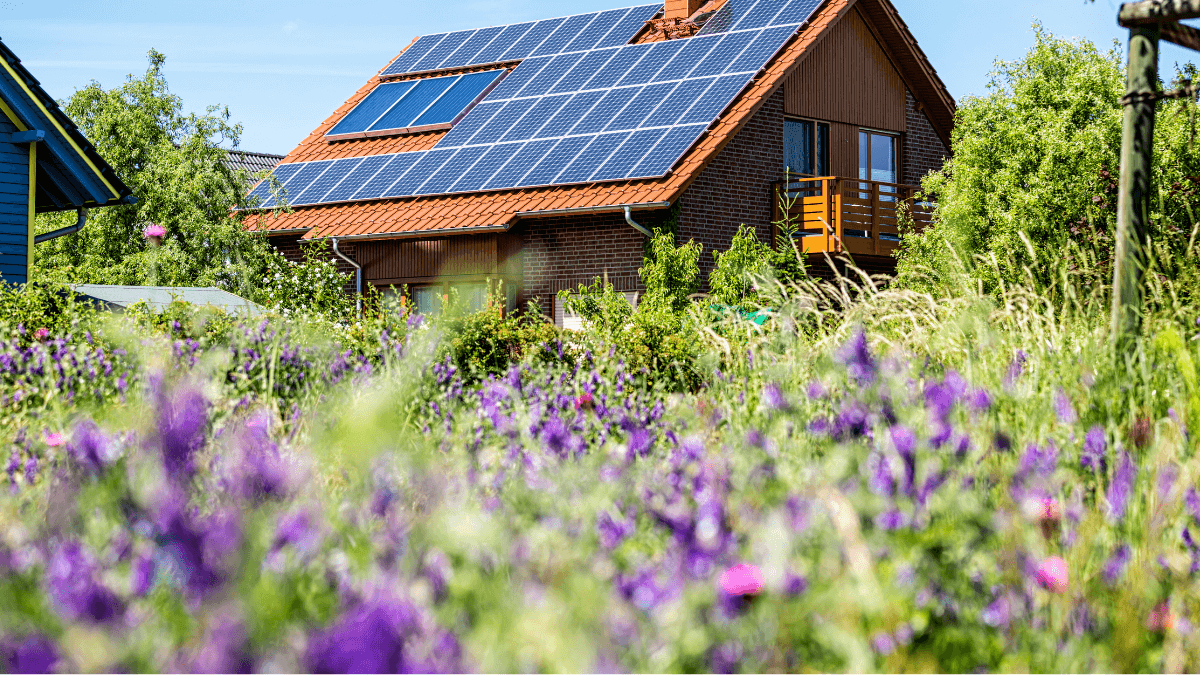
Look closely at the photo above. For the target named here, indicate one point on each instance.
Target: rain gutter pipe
(357, 275)
(639, 228)
(63, 231)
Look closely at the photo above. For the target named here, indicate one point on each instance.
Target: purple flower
(881, 481)
(153, 231)
(980, 400)
(224, 648)
(1063, 407)
(369, 638)
(773, 397)
(72, 577)
(143, 574)
(33, 654)
(794, 584)
(882, 643)
(1095, 449)
(1114, 568)
(90, 447)
(939, 400)
(613, 531)
(1015, 368)
(1192, 501)
(1037, 461)
(799, 512)
(182, 420)
(1166, 480)
(1121, 488)
(856, 355)
(891, 520)
(816, 390)
(998, 614)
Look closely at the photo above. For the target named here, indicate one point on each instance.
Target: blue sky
(282, 67)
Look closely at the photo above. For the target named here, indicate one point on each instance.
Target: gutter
(596, 209)
(639, 228)
(63, 231)
(426, 234)
(357, 275)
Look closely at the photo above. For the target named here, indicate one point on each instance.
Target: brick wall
(565, 251)
(734, 189)
(290, 246)
(924, 150)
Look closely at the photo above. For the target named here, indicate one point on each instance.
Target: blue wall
(14, 207)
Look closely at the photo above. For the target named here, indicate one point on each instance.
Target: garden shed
(46, 165)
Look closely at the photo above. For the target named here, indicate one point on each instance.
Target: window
(572, 321)
(416, 104)
(877, 156)
(806, 147)
(471, 296)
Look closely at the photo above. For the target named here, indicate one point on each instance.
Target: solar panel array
(523, 40)
(415, 103)
(606, 113)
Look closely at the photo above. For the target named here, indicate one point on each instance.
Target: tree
(1032, 180)
(175, 164)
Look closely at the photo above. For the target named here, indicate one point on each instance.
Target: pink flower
(1161, 619)
(1048, 509)
(742, 579)
(41, 333)
(585, 401)
(153, 231)
(1052, 574)
(54, 440)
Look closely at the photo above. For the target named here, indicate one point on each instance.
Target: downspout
(63, 231)
(639, 228)
(357, 275)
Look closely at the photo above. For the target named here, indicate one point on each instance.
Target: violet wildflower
(90, 447)
(1015, 368)
(882, 643)
(998, 614)
(1063, 407)
(1121, 489)
(1192, 502)
(181, 425)
(881, 481)
(73, 584)
(1166, 480)
(32, 654)
(773, 397)
(856, 356)
(980, 400)
(939, 400)
(613, 531)
(799, 513)
(143, 575)
(1095, 449)
(224, 648)
(370, 638)
(816, 390)
(891, 520)
(794, 584)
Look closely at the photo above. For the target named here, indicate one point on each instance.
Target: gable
(848, 78)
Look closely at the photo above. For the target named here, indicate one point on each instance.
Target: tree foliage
(1033, 174)
(174, 162)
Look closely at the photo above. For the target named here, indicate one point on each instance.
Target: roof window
(415, 105)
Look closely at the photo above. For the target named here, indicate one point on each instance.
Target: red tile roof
(449, 213)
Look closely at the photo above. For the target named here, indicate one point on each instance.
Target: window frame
(816, 145)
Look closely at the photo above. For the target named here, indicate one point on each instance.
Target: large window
(877, 156)
(471, 296)
(413, 105)
(806, 147)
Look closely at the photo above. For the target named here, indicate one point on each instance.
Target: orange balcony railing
(848, 215)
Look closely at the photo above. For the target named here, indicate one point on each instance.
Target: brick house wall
(565, 251)
(923, 148)
(735, 188)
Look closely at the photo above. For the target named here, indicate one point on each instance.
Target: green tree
(1032, 181)
(732, 281)
(670, 272)
(175, 164)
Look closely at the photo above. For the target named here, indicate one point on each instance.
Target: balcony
(848, 215)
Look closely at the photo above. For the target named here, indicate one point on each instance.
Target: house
(46, 165)
(541, 154)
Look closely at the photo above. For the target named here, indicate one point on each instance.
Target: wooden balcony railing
(847, 215)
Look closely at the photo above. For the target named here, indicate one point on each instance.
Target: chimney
(681, 9)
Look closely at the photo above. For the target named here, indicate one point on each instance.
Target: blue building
(46, 165)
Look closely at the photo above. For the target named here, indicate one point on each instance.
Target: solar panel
(477, 42)
(533, 120)
(491, 162)
(628, 26)
(316, 190)
(648, 67)
(565, 33)
(357, 178)
(387, 175)
(604, 23)
(462, 94)
(421, 171)
(516, 169)
(445, 48)
(528, 44)
(591, 158)
(796, 11)
(613, 112)
(404, 63)
(454, 169)
(503, 41)
(640, 107)
(621, 162)
(370, 108)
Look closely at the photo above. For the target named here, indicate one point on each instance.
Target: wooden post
(1133, 201)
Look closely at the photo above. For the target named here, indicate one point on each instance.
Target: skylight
(415, 105)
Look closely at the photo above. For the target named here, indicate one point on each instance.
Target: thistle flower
(1052, 574)
(742, 579)
(41, 334)
(585, 401)
(1161, 618)
(154, 232)
(54, 439)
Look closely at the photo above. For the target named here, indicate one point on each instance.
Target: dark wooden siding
(14, 207)
(448, 258)
(848, 78)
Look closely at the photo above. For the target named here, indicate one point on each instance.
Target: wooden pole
(1133, 201)
(1151, 12)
